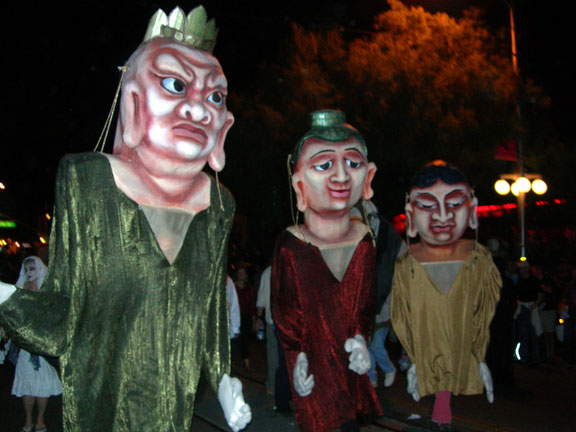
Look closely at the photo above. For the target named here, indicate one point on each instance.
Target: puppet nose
(196, 112)
(341, 174)
(442, 214)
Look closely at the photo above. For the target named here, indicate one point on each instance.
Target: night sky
(60, 68)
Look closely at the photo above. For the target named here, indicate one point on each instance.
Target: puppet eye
(353, 164)
(425, 206)
(216, 98)
(173, 85)
(455, 204)
(323, 167)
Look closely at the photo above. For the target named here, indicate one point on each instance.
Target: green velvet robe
(132, 331)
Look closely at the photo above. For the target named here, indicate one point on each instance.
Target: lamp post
(521, 185)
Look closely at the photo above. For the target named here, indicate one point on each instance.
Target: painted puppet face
(30, 271)
(332, 177)
(441, 213)
(176, 105)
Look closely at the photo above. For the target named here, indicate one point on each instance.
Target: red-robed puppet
(323, 279)
(445, 291)
(134, 302)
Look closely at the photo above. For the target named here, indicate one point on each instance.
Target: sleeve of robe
(41, 321)
(217, 340)
(366, 300)
(285, 303)
(400, 306)
(491, 283)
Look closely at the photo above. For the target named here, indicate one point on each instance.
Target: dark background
(60, 66)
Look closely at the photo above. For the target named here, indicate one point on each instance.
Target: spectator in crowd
(277, 381)
(247, 301)
(527, 318)
(548, 307)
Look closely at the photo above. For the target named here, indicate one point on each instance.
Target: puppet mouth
(442, 228)
(186, 130)
(339, 193)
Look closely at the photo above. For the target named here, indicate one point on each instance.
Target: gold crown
(193, 30)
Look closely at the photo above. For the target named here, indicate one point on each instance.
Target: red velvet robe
(315, 313)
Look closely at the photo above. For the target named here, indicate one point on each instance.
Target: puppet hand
(303, 383)
(6, 291)
(487, 379)
(359, 355)
(236, 411)
(412, 383)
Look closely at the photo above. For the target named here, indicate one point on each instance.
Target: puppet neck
(456, 251)
(189, 192)
(324, 230)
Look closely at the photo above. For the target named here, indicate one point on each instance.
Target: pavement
(543, 399)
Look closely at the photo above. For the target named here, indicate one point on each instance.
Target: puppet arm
(400, 315)
(236, 411)
(490, 284)
(6, 291)
(359, 355)
(359, 359)
(487, 380)
(23, 314)
(287, 314)
(303, 383)
(412, 386)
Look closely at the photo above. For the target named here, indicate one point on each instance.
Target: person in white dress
(35, 380)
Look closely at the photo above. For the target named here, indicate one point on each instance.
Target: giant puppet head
(331, 171)
(441, 205)
(173, 116)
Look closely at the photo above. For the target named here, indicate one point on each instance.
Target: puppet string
(106, 128)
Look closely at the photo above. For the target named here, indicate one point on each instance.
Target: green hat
(327, 125)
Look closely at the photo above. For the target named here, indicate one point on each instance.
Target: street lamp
(521, 185)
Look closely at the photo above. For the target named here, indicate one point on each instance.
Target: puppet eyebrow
(456, 191)
(426, 195)
(320, 152)
(168, 63)
(354, 149)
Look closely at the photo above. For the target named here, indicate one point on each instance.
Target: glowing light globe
(539, 187)
(502, 187)
(514, 189)
(523, 184)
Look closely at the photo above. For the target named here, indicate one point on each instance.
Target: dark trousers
(529, 347)
(282, 393)
(570, 340)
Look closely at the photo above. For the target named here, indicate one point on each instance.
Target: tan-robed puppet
(134, 302)
(444, 292)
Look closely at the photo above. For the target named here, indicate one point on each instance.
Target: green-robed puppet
(134, 302)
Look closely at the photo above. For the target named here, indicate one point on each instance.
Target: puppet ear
(132, 116)
(367, 191)
(410, 228)
(298, 185)
(473, 223)
(217, 157)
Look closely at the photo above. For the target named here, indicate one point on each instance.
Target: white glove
(6, 291)
(412, 386)
(359, 357)
(236, 411)
(303, 383)
(487, 379)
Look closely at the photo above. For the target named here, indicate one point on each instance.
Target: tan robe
(446, 335)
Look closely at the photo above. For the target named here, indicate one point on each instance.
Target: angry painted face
(176, 105)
